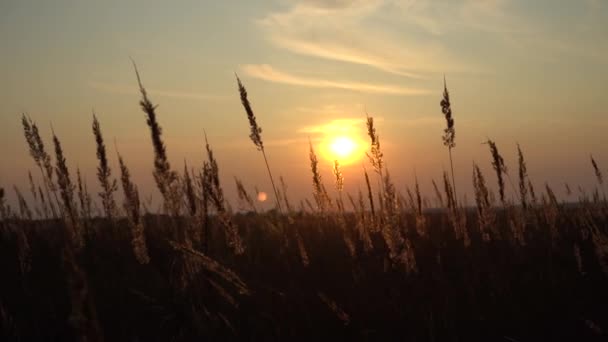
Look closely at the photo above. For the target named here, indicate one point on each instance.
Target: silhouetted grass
(392, 268)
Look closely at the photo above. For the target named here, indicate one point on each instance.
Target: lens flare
(262, 196)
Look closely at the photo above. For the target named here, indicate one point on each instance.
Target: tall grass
(104, 173)
(388, 238)
(166, 178)
(498, 163)
(133, 213)
(449, 133)
(42, 160)
(256, 136)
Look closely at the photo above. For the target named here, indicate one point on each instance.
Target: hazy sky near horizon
(528, 72)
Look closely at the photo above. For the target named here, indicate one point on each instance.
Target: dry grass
(201, 236)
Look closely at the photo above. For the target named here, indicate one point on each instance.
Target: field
(376, 265)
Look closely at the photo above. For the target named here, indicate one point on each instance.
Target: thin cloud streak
(268, 73)
(339, 52)
(341, 32)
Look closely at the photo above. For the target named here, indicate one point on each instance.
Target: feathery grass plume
(499, 166)
(598, 173)
(80, 189)
(189, 192)
(104, 173)
(339, 176)
(24, 210)
(408, 258)
(364, 224)
(600, 181)
(449, 193)
(24, 251)
(216, 197)
(361, 220)
(340, 217)
(285, 198)
(255, 135)
(166, 179)
(517, 225)
(456, 218)
(411, 202)
(375, 155)
(551, 212)
(41, 158)
(34, 194)
(403, 205)
(2, 197)
(370, 195)
(83, 197)
(390, 229)
(302, 248)
(213, 267)
(319, 192)
(600, 243)
(418, 197)
(449, 133)
(485, 215)
(339, 184)
(421, 227)
(5, 209)
(32, 185)
(380, 195)
(206, 189)
(133, 212)
(83, 315)
(523, 175)
(45, 208)
(66, 190)
(533, 198)
(244, 197)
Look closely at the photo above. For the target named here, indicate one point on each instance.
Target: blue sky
(532, 72)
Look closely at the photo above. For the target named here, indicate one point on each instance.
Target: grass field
(375, 265)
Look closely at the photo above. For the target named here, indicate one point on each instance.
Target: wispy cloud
(340, 30)
(416, 38)
(332, 109)
(268, 73)
(133, 90)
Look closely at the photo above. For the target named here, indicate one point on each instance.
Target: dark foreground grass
(492, 290)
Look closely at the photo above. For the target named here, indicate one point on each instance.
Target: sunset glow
(343, 148)
(316, 69)
(424, 170)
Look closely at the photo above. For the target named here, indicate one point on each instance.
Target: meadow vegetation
(381, 263)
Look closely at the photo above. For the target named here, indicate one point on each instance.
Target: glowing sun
(343, 148)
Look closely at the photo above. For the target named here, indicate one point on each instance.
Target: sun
(343, 148)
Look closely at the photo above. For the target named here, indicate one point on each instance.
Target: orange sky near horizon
(516, 72)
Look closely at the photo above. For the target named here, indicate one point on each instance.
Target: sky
(527, 72)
